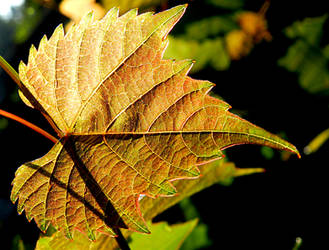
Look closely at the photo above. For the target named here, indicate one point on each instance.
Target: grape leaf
(129, 123)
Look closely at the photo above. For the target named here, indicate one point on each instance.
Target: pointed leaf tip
(295, 150)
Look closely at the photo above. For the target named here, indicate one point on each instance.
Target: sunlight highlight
(6, 7)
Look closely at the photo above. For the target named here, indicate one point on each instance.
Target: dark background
(263, 211)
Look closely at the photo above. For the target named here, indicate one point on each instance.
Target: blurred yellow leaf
(164, 236)
(76, 9)
(238, 44)
(125, 5)
(255, 25)
(317, 142)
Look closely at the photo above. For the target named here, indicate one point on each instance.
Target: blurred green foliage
(210, 27)
(33, 12)
(306, 56)
(227, 4)
(215, 41)
(18, 244)
(163, 236)
(210, 52)
(3, 123)
(267, 152)
(199, 237)
(203, 40)
(298, 243)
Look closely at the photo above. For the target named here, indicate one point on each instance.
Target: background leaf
(199, 237)
(163, 236)
(306, 57)
(210, 52)
(227, 4)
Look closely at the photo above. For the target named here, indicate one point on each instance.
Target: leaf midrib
(150, 133)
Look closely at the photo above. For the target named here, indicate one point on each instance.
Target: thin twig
(28, 124)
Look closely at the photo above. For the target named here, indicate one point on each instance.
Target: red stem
(28, 124)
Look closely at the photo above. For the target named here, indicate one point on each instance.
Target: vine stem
(28, 124)
(121, 240)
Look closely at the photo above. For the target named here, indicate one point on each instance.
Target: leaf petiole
(10, 71)
(14, 75)
(121, 240)
(28, 124)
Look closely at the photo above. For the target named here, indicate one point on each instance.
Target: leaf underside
(129, 123)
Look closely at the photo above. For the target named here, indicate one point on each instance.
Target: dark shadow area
(108, 214)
